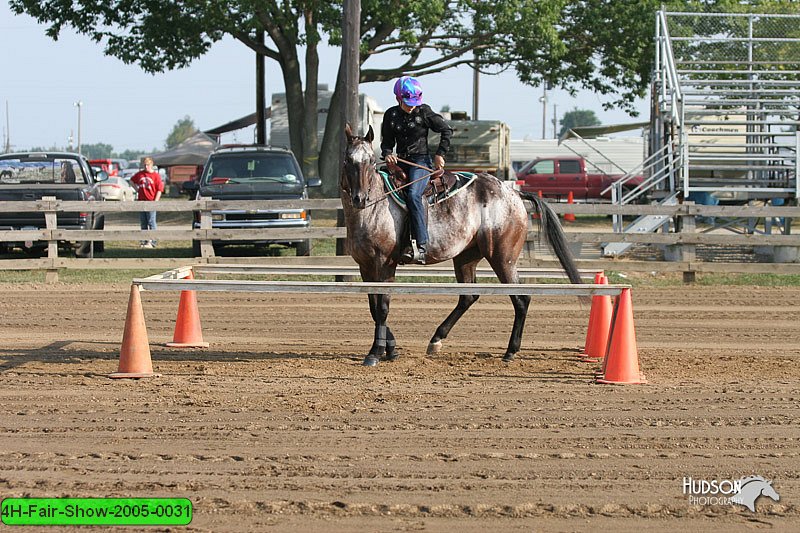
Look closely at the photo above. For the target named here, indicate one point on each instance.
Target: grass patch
(675, 279)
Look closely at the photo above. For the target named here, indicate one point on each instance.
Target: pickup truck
(556, 177)
(30, 176)
(253, 172)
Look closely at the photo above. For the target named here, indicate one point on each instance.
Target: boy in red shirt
(149, 187)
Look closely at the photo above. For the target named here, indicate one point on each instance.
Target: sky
(41, 81)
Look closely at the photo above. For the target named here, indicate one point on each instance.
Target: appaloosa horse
(485, 220)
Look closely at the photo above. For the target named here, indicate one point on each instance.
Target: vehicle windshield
(45, 170)
(251, 168)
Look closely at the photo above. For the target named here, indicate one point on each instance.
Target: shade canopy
(193, 151)
(590, 132)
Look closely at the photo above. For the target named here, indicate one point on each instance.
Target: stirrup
(407, 256)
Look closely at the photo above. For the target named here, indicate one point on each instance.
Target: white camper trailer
(370, 114)
(478, 146)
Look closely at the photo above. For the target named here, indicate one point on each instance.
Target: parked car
(110, 166)
(253, 172)
(116, 188)
(556, 177)
(63, 175)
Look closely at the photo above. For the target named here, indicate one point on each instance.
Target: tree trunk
(295, 106)
(333, 141)
(310, 159)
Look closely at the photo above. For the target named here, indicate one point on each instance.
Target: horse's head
(358, 172)
(769, 491)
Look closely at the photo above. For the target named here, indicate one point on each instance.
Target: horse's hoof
(507, 358)
(370, 360)
(391, 356)
(434, 347)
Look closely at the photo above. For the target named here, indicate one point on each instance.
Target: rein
(384, 195)
(423, 167)
(430, 173)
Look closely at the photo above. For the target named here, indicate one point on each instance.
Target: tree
(601, 45)
(577, 117)
(97, 150)
(182, 130)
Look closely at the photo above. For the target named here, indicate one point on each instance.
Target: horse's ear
(370, 135)
(349, 132)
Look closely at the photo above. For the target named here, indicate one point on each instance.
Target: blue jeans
(415, 203)
(147, 220)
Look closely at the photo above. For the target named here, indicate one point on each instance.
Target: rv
(478, 146)
(370, 114)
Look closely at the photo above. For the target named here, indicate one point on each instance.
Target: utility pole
(79, 104)
(543, 100)
(7, 148)
(351, 39)
(261, 120)
(475, 87)
(555, 121)
(351, 31)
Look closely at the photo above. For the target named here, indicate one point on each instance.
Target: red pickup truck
(555, 177)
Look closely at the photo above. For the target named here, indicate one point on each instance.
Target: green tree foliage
(132, 155)
(182, 130)
(578, 117)
(97, 150)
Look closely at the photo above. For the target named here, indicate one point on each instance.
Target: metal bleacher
(724, 127)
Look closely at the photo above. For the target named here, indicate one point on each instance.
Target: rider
(407, 125)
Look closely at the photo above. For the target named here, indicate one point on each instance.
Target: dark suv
(254, 172)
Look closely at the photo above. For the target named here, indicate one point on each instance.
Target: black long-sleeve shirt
(409, 131)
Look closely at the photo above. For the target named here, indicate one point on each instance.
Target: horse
(751, 489)
(485, 220)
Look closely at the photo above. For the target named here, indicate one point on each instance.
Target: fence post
(51, 223)
(206, 248)
(688, 251)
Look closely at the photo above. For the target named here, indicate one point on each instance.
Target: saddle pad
(463, 180)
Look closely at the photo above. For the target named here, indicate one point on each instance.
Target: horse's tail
(548, 220)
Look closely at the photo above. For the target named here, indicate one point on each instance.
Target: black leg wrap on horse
(391, 347)
(379, 345)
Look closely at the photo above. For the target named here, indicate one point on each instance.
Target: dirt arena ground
(278, 427)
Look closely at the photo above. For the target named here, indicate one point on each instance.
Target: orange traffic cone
(597, 336)
(598, 277)
(134, 356)
(570, 217)
(188, 333)
(621, 364)
(536, 216)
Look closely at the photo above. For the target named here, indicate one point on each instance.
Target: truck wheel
(303, 248)
(100, 224)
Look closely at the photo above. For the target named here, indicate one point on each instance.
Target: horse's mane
(749, 479)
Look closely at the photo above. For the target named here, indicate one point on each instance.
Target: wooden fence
(684, 242)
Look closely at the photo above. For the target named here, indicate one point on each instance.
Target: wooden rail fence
(684, 241)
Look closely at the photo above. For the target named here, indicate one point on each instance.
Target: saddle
(442, 184)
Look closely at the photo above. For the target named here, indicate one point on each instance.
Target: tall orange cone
(621, 365)
(598, 277)
(597, 336)
(536, 215)
(188, 333)
(570, 217)
(134, 356)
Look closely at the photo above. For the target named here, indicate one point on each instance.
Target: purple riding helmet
(408, 90)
